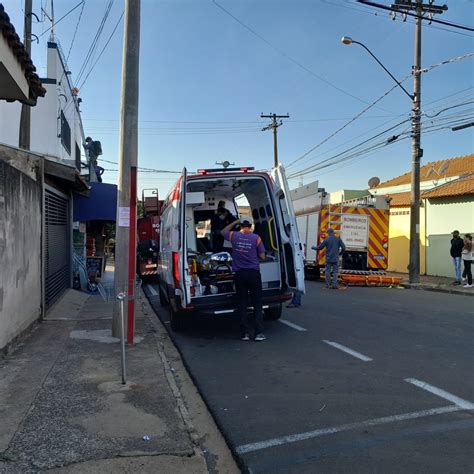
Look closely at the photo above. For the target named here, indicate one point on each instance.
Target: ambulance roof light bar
(225, 170)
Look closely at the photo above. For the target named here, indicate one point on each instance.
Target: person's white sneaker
(260, 337)
(245, 337)
(467, 286)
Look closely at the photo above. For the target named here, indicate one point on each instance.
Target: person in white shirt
(467, 257)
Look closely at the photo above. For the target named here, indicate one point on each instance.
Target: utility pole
(25, 118)
(125, 257)
(406, 7)
(276, 122)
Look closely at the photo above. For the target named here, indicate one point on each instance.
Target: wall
(399, 240)
(444, 216)
(20, 242)
(45, 121)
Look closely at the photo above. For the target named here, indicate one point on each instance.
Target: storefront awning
(101, 205)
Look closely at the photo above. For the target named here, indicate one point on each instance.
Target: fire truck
(148, 235)
(362, 224)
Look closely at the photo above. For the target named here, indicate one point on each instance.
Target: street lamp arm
(384, 68)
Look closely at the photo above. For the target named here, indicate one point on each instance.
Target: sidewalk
(434, 283)
(63, 407)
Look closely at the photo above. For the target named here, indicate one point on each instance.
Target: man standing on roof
(247, 251)
(334, 247)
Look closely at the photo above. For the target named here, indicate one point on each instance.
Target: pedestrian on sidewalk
(457, 245)
(247, 251)
(334, 248)
(467, 257)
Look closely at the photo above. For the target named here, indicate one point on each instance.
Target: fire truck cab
(195, 280)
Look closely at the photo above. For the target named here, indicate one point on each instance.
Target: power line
(285, 55)
(75, 31)
(103, 49)
(95, 40)
(405, 12)
(62, 18)
(353, 119)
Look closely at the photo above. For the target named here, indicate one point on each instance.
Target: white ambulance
(193, 277)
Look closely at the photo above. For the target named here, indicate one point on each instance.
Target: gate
(58, 246)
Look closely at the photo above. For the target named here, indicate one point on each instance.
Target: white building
(56, 126)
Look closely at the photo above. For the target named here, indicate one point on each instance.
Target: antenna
(430, 172)
(374, 182)
(443, 167)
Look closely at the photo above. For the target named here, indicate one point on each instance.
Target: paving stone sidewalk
(63, 406)
(434, 283)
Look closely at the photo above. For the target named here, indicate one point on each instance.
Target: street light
(347, 40)
(417, 152)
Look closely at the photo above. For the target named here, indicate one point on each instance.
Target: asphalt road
(368, 380)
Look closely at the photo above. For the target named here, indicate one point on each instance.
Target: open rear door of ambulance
(292, 247)
(181, 265)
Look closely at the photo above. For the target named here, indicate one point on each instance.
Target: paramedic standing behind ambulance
(247, 251)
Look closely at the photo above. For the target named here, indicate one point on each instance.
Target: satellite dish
(374, 182)
(443, 167)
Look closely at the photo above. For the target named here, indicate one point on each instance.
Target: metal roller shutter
(58, 266)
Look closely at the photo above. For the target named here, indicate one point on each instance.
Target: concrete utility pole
(276, 122)
(25, 119)
(126, 217)
(406, 7)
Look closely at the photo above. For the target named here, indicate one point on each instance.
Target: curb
(437, 289)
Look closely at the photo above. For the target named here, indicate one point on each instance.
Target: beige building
(447, 204)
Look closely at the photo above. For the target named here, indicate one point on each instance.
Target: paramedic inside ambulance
(247, 251)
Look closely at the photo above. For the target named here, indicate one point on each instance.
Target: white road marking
(459, 402)
(348, 351)
(248, 448)
(292, 325)
(222, 311)
(152, 290)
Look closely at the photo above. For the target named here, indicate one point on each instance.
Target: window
(78, 158)
(65, 133)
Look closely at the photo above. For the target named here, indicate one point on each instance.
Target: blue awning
(101, 205)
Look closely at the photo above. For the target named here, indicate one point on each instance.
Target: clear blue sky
(199, 65)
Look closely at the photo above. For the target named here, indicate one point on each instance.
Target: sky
(206, 75)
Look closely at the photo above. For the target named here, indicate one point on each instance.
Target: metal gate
(58, 246)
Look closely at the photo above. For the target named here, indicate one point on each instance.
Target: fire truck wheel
(274, 312)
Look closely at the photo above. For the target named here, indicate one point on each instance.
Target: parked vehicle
(362, 224)
(148, 235)
(195, 280)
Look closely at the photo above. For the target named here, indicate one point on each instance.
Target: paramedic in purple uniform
(247, 251)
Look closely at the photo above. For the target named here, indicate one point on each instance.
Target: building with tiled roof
(18, 78)
(446, 203)
(435, 171)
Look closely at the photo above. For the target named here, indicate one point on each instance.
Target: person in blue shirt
(334, 248)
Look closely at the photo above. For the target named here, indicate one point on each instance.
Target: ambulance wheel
(177, 321)
(274, 313)
(163, 300)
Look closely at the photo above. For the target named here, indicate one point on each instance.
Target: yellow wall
(399, 240)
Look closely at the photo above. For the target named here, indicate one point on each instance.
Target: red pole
(132, 255)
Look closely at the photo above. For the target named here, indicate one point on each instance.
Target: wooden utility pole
(125, 257)
(25, 118)
(276, 122)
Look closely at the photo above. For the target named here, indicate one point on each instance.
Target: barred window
(65, 133)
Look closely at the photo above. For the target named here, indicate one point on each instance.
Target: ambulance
(193, 279)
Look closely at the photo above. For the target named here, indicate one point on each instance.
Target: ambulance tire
(177, 322)
(273, 313)
(163, 299)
